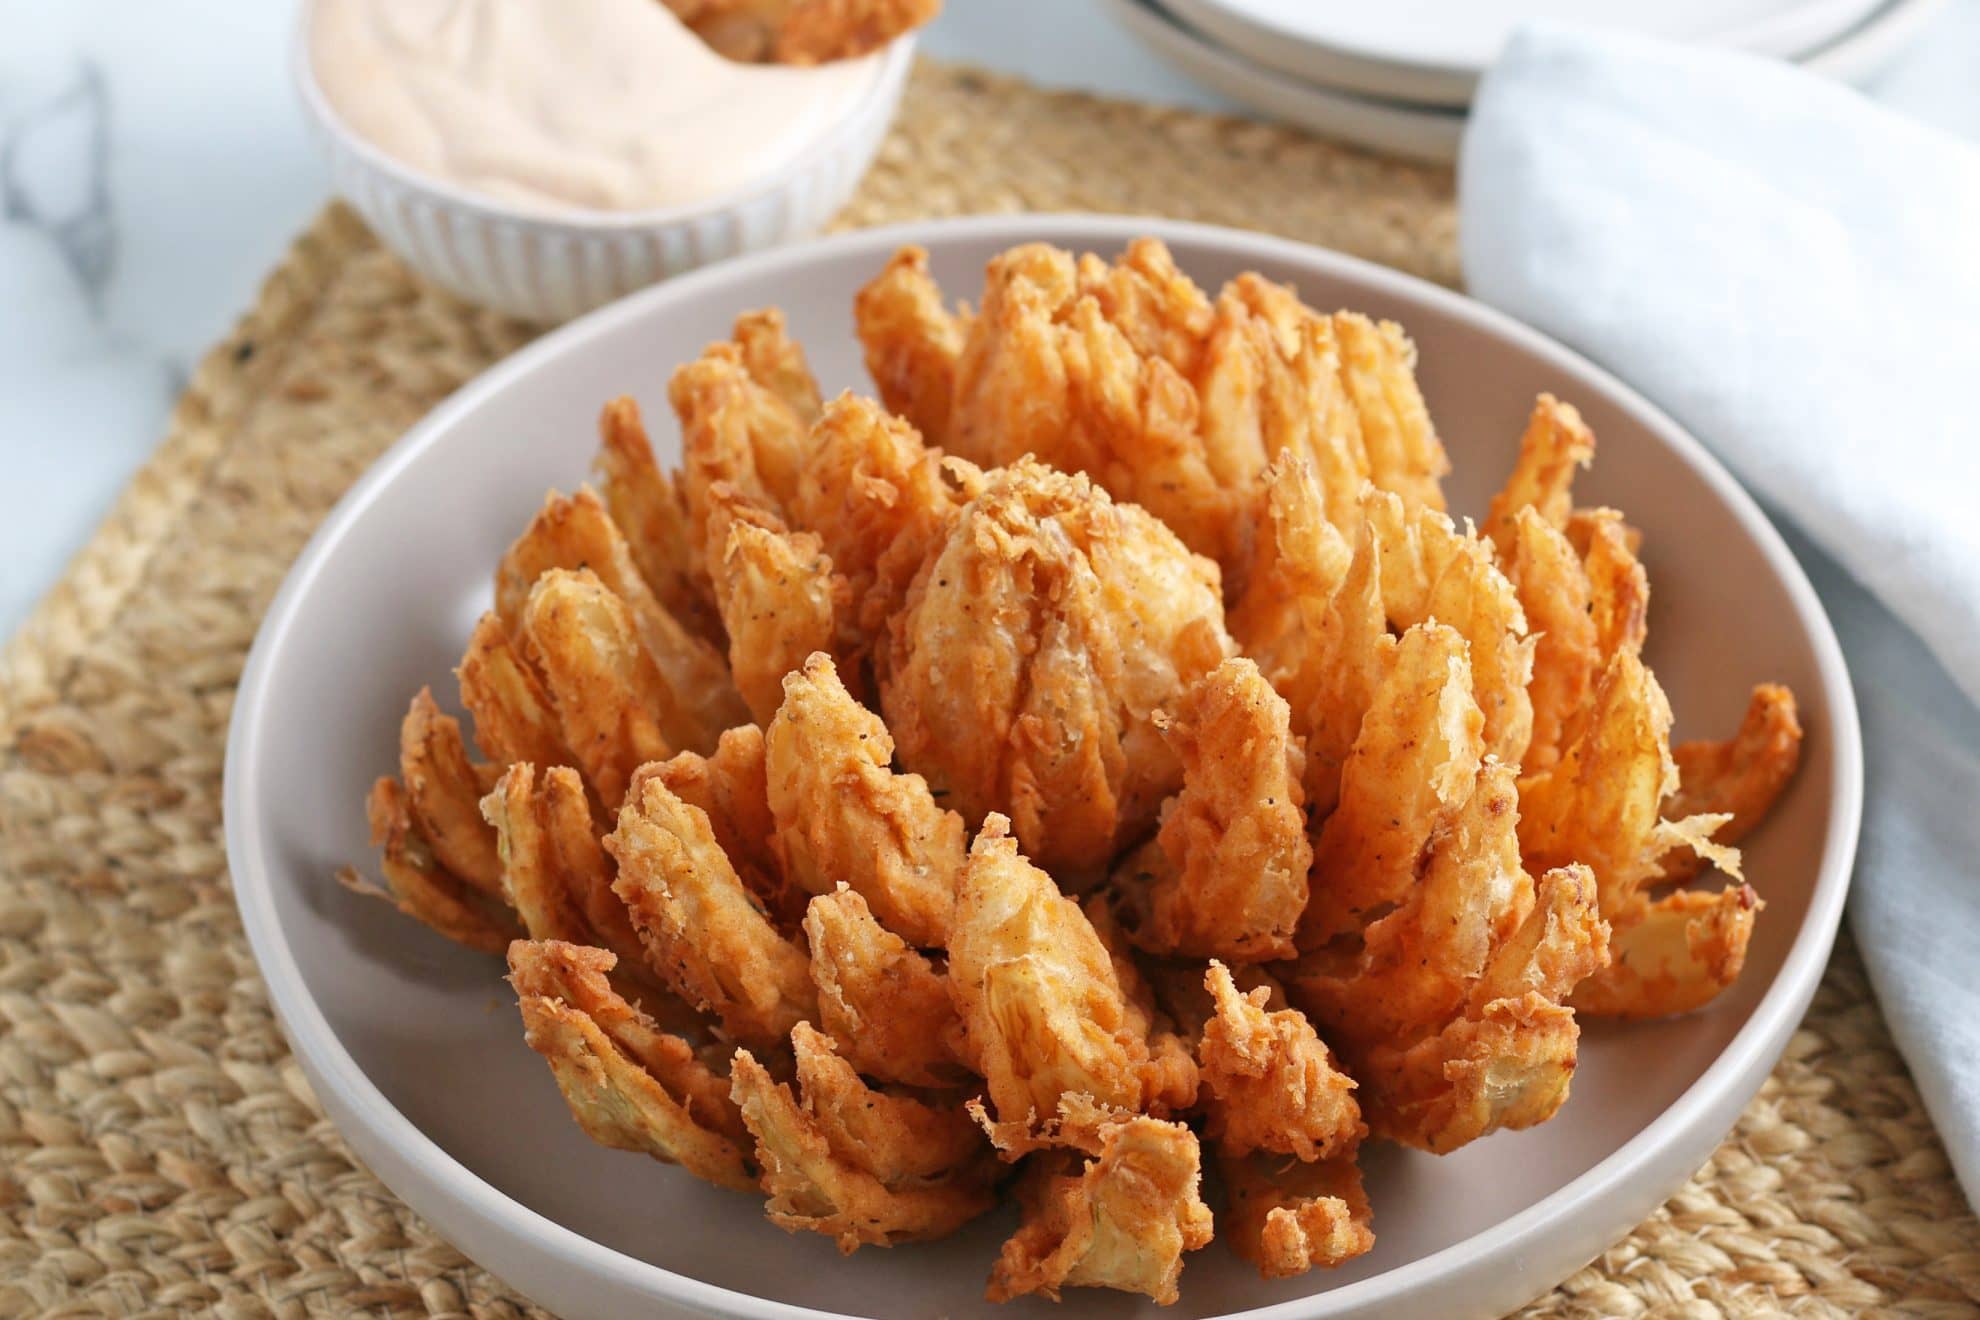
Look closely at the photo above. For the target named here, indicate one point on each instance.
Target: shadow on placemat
(159, 1149)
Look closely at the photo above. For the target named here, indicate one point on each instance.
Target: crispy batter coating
(1618, 590)
(1120, 1219)
(1130, 373)
(533, 881)
(1603, 805)
(1042, 1009)
(1673, 955)
(1147, 297)
(1554, 592)
(886, 1007)
(1448, 1008)
(513, 718)
(1431, 571)
(780, 599)
(703, 933)
(613, 705)
(419, 886)
(1323, 639)
(574, 532)
(1225, 877)
(1273, 1085)
(630, 1085)
(1509, 1067)
(1413, 765)
(844, 816)
(880, 500)
(1600, 805)
(1169, 1079)
(776, 362)
(649, 506)
(899, 1138)
(1009, 357)
(1033, 651)
(737, 429)
(1045, 372)
(1048, 373)
(443, 793)
(1355, 856)
(1743, 775)
(1272, 394)
(1287, 1217)
(1555, 445)
(732, 789)
(1378, 367)
(858, 1165)
(555, 873)
(912, 341)
(1183, 999)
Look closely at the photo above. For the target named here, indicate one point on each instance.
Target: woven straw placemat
(159, 1149)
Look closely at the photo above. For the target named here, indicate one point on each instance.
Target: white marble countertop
(153, 167)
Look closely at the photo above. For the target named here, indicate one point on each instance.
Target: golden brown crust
(880, 501)
(555, 873)
(1600, 805)
(912, 342)
(613, 705)
(842, 815)
(650, 508)
(1046, 372)
(513, 718)
(419, 886)
(703, 934)
(857, 1165)
(1412, 766)
(575, 533)
(779, 596)
(1484, 1039)
(630, 1085)
(1287, 1217)
(1431, 571)
(732, 789)
(1555, 445)
(1121, 1219)
(1378, 367)
(1618, 589)
(1226, 876)
(737, 430)
(1042, 1009)
(545, 899)
(1743, 775)
(1673, 955)
(885, 1006)
(1036, 645)
(1554, 592)
(1273, 1084)
(443, 794)
(820, 31)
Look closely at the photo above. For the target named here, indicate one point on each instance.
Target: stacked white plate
(1398, 77)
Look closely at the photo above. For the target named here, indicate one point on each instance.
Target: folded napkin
(1794, 273)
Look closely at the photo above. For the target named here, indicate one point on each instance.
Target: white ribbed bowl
(549, 268)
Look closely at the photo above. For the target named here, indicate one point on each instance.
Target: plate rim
(332, 1069)
(1413, 130)
(1451, 83)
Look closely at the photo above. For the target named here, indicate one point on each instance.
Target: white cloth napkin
(1794, 273)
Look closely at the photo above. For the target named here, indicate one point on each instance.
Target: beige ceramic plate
(413, 1044)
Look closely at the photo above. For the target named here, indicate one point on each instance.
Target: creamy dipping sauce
(602, 105)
